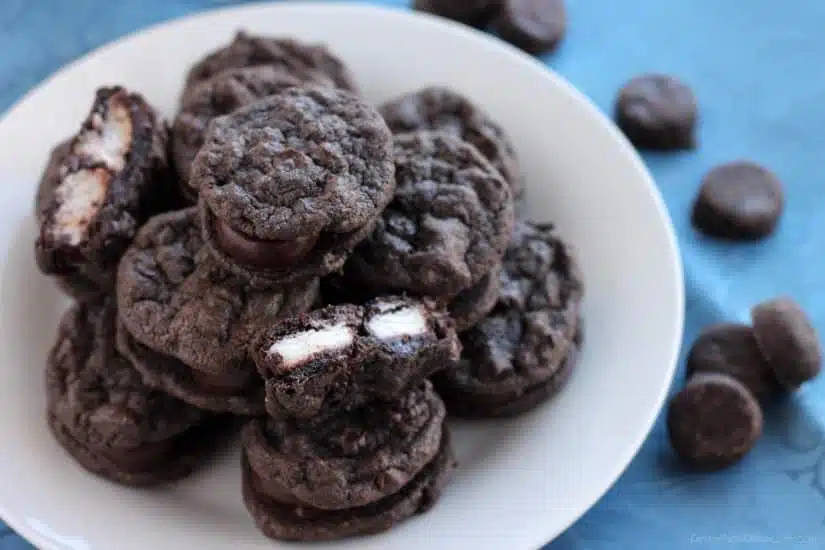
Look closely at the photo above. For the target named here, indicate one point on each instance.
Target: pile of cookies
(354, 437)
(733, 368)
(717, 418)
(337, 276)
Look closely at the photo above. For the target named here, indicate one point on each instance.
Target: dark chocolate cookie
(220, 95)
(341, 357)
(738, 201)
(352, 459)
(100, 410)
(114, 176)
(476, 13)
(444, 110)
(527, 340)
(174, 299)
(657, 111)
(448, 224)
(291, 183)
(714, 421)
(290, 521)
(288, 55)
(789, 341)
(240, 395)
(471, 306)
(732, 349)
(535, 26)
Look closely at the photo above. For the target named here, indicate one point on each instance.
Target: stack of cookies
(99, 188)
(338, 275)
(355, 440)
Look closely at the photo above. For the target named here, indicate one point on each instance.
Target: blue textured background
(756, 66)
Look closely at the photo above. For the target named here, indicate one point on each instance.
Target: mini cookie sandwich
(90, 206)
(341, 357)
(175, 301)
(290, 184)
(525, 350)
(279, 515)
(285, 54)
(222, 94)
(350, 460)
(444, 110)
(106, 418)
(448, 224)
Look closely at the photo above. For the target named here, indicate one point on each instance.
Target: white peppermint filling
(387, 305)
(409, 321)
(109, 139)
(80, 194)
(301, 347)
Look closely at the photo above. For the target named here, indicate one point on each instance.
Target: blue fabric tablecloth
(756, 66)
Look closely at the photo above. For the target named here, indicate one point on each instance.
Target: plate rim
(19, 525)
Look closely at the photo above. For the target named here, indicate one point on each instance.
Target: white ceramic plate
(521, 482)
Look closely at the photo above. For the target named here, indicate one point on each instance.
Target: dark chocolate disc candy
(739, 201)
(732, 349)
(714, 421)
(476, 13)
(535, 26)
(657, 111)
(789, 341)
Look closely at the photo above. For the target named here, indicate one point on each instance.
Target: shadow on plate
(32, 303)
